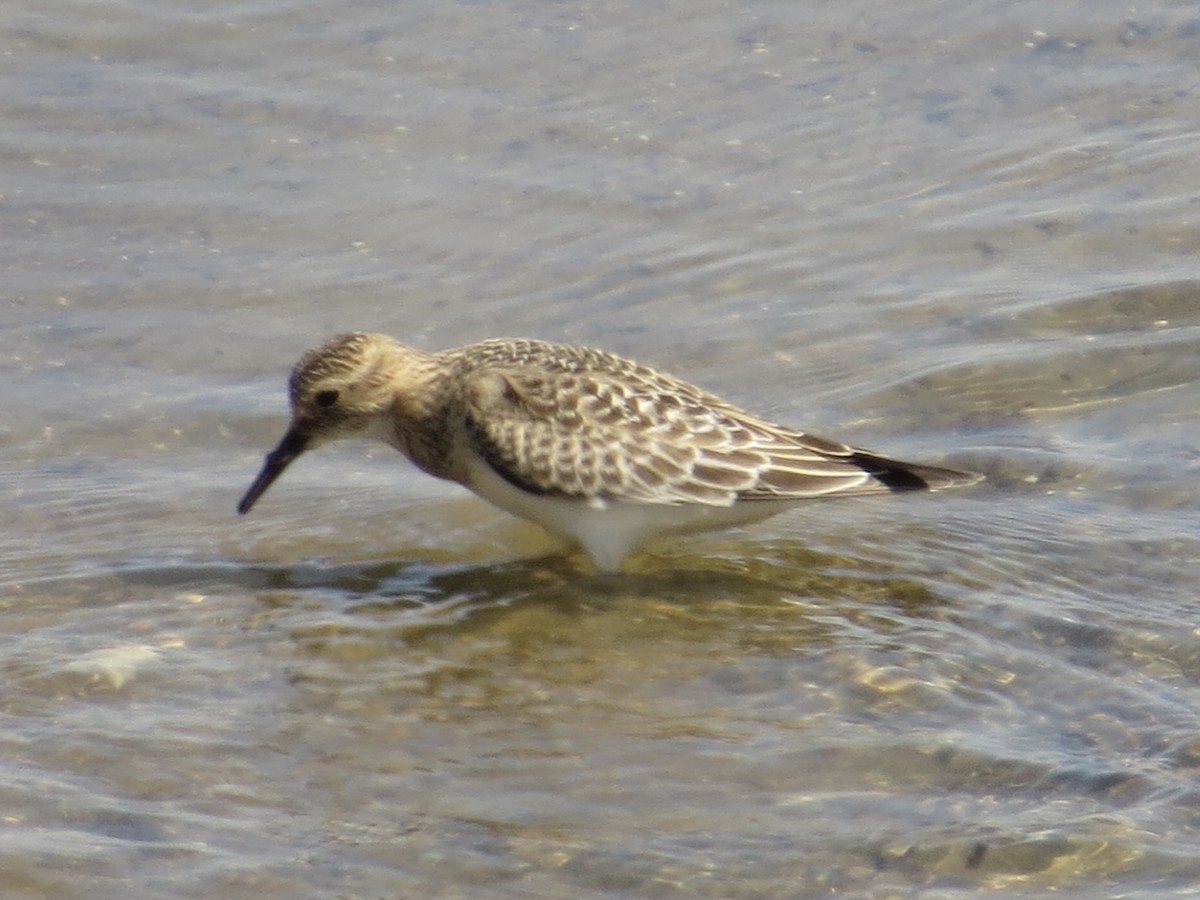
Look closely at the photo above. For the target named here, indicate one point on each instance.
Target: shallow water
(953, 232)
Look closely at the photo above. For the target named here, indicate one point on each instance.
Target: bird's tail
(905, 476)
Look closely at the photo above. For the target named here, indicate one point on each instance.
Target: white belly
(609, 530)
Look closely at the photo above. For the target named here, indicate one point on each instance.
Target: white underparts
(609, 529)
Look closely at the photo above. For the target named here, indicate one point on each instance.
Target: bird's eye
(326, 399)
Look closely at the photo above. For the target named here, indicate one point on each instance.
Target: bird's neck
(418, 420)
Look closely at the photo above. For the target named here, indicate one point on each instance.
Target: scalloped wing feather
(634, 434)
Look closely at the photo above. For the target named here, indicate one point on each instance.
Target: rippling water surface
(959, 232)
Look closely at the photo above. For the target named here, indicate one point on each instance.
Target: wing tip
(898, 476)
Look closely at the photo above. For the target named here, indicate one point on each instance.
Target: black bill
(292, 445)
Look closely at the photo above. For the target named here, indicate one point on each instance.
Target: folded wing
(647, 438)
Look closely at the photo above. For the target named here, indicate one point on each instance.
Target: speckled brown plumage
(565, 435)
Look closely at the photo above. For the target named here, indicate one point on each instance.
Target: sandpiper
(593, 447)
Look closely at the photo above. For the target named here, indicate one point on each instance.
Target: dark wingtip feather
(902, 476)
